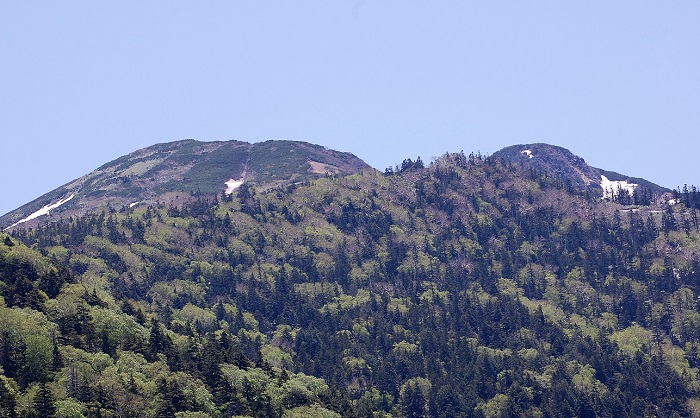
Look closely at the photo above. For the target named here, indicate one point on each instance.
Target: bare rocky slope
(174, 172)
(560, 163)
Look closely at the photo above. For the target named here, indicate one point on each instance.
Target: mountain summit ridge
(560, 162)
(178, 171)
(174, 172)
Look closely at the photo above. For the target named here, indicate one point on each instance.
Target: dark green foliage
(466, 288)
(413, 404)
(44, 404)
(8, 401)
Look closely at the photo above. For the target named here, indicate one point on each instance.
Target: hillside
(471, 287)
(560, 163)
(180, 171)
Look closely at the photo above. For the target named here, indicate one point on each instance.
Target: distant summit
(176, 171)
(561, 163)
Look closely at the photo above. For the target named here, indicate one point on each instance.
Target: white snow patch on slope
(131, 205)
(43, 211)
(527, 153)
(611, 187)
(232, 185)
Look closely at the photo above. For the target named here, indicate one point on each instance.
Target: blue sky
(82, 82)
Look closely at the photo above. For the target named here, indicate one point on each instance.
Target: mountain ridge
(469, 287)
(560, 162)
(176, 172)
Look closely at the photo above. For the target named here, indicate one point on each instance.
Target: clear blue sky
(84, 82)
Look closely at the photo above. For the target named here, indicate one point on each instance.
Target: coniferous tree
(44, 404)
(7, 401)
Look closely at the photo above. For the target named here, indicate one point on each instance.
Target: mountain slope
(560, 163)
(172, 172)
(467, 288)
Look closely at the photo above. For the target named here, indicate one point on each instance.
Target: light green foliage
(313, 411)
(583, 379)
(21, 323)
(584, 325)
(237, 246)
(19, 253)
(31, 330)
(38, 356)
(509, 287)
(101, 247)
(693, 406)
(322, 235)
(528, 353)
(551, 312)
(324, 265)
(403, 348)
(196, 392)
(422, 383)
(368, 272)
(345, 302)
(359, 330)
(61, 253)
(355, 364)
(164, 293)
(190, 414)
(134, 364)
(580, 293)
(166, 236)
(677, 359)
(632, 339)
(311, 291)
(120, 328)
(495, 354)
(191, 314)
(494, 406)
(250, 321)
(433, 295)
(69, 408)
(608, 322)
(399, 305)
(276, 357)
(97, 272)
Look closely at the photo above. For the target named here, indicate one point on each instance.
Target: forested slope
(466, 288)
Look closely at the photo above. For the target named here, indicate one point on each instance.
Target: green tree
(44, 404)
(413, 403)
(8, 399)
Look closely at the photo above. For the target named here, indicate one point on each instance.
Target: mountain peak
(173, 172)
(560, 162)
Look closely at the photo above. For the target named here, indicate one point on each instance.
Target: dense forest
(462, 288)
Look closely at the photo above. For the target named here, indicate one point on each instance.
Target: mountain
(560, 163)
(174, 172)
(468, 287)
(177, 172)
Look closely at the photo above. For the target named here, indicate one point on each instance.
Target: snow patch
(133, 204)
(610, 187)
(43, 211)
(527, 153)
(232, 185)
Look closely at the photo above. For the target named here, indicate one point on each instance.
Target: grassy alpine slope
(466, 288)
